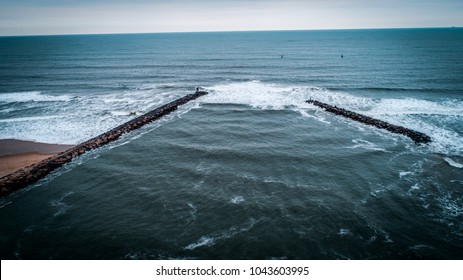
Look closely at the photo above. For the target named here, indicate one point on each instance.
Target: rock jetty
(33, 173)
(417, 137)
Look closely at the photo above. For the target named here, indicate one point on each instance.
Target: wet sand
(17, 154)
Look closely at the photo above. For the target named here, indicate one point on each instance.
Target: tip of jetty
(33, 173)
(417, 137)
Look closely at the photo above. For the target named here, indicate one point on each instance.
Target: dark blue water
(249, 171)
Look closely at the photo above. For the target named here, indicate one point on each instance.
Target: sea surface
(250, 171)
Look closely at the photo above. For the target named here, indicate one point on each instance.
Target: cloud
(118, 16)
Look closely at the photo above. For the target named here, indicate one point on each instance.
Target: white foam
(193, 210)
(435, 118)
(32, 96)
(28, 119)
(412, 106)
(344, 232)
(118, 144)
(305, 114)
(451, 207)
(444, 141)
(87, 116)
(77, 121)
(210, 240)
(404, 173)
(257, 95)
(203, 241)
(364, 144)
(237, 199)
(453, 163)
(121, 113)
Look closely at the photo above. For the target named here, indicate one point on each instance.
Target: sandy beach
(16, 154)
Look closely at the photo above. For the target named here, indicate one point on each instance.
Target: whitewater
(251, 170)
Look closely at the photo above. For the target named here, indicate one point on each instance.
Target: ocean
(249, 171)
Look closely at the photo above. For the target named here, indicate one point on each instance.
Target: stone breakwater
(416, 136)
(33, 173)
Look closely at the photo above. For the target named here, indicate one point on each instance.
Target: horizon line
(231, 31)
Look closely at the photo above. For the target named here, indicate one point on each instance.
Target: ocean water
(249, 171)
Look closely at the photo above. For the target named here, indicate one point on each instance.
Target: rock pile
(416, 136)
(33, 173)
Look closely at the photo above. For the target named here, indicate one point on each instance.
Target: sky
(41, 17)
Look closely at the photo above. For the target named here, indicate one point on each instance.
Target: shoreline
(17, 154)
(31, 174)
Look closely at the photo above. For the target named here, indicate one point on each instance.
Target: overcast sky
(30, 17)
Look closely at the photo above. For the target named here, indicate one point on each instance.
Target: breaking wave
(439, 119)
(67, 119)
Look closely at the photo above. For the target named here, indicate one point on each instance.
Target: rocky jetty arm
(33, 173)
(417, 137)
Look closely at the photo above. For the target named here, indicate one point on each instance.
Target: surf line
(417, 137)
(34, 173)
